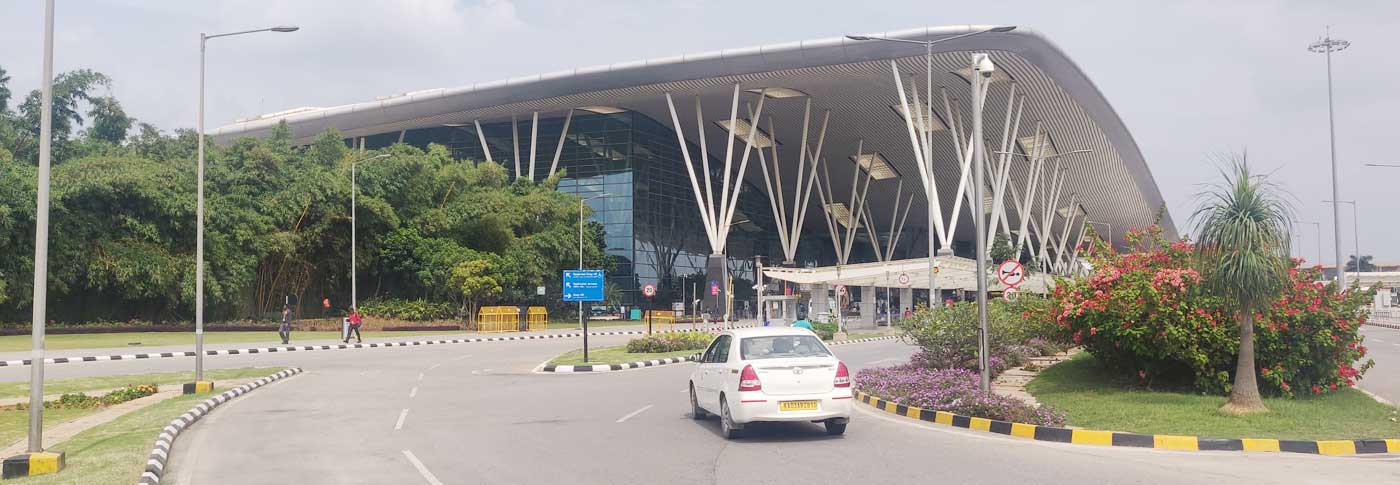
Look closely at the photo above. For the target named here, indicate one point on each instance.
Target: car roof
(768, 331)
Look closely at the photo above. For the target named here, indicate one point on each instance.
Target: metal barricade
(659, 318)
(498, 319)
(537, 319)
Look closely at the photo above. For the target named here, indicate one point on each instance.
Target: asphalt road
(1383, 346)
(476, 413)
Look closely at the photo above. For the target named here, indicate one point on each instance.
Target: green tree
(477, 279)
(5, 93)
(1243, 225)
(1366, 264)
(1001, 249)
(109, 122)
(69, 90)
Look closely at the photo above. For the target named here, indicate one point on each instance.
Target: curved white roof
(850, 78)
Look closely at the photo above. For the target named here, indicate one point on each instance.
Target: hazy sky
(1190, 78)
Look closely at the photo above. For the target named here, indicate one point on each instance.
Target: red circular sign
(649, 290)
(904, 279)
(1011, 273)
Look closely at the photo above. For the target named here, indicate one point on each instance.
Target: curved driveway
(477, 413)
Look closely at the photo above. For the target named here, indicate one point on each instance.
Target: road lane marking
(435, 366)
(634, 413)
(413, 393)
(420, 376)
(422, 470)
(882, 361)
(402, 415)
(460, 357)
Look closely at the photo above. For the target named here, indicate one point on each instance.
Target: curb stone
(666, 361)
(1133, 440)
(309, 348)
(160, 453)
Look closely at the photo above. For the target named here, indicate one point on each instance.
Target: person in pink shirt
(354, 326)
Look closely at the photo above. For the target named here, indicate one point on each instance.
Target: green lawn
(114, 452)
(164, 380)
(1095, 400)
(14, 423)
(614, 355)
(18, 343)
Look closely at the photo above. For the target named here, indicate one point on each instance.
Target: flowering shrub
(669, 342)
(1147, 315)
(78, 400)
(948, 336)
(952, 390)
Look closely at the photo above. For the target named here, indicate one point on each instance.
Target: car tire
(696, 412)
(726, 422)
(834, 428)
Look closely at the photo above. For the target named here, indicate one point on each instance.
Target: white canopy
(955, 273)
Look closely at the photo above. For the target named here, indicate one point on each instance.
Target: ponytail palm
(1243, 226)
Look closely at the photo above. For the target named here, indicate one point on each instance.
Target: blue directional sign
(583, 285)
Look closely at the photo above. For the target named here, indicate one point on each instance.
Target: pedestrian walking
(354, 326)
(325, 307)
(285, 329)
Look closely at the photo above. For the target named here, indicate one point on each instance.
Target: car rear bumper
(757, 406)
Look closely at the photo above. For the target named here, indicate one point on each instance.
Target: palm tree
(1366, 264)
(1243, 232)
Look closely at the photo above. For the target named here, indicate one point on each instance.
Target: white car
(770, 374)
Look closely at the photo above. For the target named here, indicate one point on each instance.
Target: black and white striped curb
(672, 360)
(309, 348)
(160, 454)
(613, 367)
(1395, 326)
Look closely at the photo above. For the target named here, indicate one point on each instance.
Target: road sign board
(1011, 273)
(583, 285)
(1010, 294)
(904, 279)
(539, 290)
(840, 290)
(649, 290)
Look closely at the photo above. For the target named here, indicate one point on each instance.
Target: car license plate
(797, 405)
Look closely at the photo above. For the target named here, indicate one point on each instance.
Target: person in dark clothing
(285, 329)
(354, 326)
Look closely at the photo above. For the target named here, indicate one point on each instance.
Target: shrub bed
(1147, 316)
(948, 336)
(669, 342)
(411, 310)
(78, 400)
(952, 390)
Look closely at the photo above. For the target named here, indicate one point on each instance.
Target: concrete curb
(309, 348)
(155, 463)
(1384, 325)
(666, 361)
(1112, 438)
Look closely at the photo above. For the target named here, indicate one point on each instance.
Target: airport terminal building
(800, 157)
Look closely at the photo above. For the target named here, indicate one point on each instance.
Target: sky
(1192, 79)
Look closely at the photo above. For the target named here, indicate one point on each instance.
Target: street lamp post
(199, 214)
(1326, 46)
(1318, 226)
(354, 222)
(1355, 231)
(41, 243)
(582, 322)
(933, 300)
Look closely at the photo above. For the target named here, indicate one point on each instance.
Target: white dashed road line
(883, 361)
(634, 413)
(435, 366)
(420, 376)
(460, 357)
(422, 470)
(414, 393)
(402, 415)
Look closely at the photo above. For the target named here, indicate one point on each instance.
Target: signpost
(649, 290)
(583, 285)
(1010, 294)
(1011, 273)
(904, 279)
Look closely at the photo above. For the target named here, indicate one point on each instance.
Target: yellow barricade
(659, 318)
(537, 319)
(498, 319)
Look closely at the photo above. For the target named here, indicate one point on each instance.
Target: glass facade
(650, 216)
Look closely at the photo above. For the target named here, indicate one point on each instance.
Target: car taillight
(748, 380)
(843, 376)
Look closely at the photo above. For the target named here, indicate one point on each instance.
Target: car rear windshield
(781, 347)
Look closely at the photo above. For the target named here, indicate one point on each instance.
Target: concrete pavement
(476, 414)
(1383, 346)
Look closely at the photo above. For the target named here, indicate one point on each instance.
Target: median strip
(1133, 440)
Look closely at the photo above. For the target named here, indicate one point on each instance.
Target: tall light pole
(1326, 46)
(41, 243)
(355, 189)
(1318, 226)
(582, 323)
(982, 69)
(1355, 231)
(199, 214)
(933, 300)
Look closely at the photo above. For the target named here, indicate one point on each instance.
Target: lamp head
(1002, 28)
(858, 37)
(286, 28)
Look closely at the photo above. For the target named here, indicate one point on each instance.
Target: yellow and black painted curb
(199, 387)
(31, 464)
(1133, 440)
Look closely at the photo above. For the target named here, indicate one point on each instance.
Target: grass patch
(14, 424)
(163, 379)
(1096, 400)
(614, 355)
(115, 452)
(18, 343)
(861, 335)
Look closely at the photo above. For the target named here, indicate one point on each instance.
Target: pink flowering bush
(952, 390)
(1147, 315)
